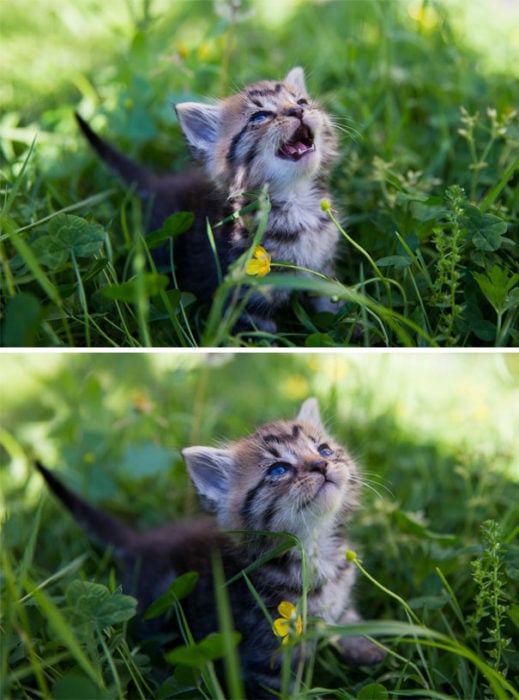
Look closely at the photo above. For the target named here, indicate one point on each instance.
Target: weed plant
(425, 187)
(435, 539)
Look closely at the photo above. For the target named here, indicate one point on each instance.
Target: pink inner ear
(209, 470)
(309, 411)
(296, 78)
(199, 123)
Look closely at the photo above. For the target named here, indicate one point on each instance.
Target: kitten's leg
(251, 322)
(326, 304)
(321, 303)
(358, 650)
(257, 316)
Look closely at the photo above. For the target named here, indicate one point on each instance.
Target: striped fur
(269, 135)
(287, 477)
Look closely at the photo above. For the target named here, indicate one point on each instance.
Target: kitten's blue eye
(259, 117)
(302, 102)
(325, 450)
(278, 469)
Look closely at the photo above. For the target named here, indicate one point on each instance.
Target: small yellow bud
(351, 555)
(325, 205)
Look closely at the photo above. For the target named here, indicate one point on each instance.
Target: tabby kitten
(288, 477)
(270, 134)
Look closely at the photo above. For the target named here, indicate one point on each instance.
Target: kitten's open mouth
(301, 143)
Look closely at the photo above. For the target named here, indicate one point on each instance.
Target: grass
(425, 190)
(435, 539)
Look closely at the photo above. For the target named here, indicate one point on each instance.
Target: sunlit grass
(491, 27)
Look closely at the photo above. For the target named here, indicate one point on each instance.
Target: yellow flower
(289, 624)
(260, 262)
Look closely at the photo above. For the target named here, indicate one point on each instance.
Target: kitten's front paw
(249, 322)
(360, 651)
(326, 304)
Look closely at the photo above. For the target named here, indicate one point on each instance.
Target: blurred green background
(435, 434)
(116, 421)
(48, 45)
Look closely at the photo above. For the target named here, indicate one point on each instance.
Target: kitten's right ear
(199, 123)
(296, 78)
(209, 470)
(309, 411)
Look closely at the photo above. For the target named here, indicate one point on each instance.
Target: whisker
(374, 486)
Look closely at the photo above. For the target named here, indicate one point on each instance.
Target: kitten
(287, 477)
(270, 134)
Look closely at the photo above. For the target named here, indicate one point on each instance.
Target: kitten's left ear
(209, 470)
(296, 78)
(309, 411)
(200, 124)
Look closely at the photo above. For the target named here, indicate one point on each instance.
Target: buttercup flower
(289, 624)
(259, 264)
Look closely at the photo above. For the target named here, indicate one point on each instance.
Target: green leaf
(93, 603)
(489, 229)
(320, 340)
(408, 523)
(496, 283)
(187, 656)
(179, 589)
(23, 314)
(373, 691)
(50, 252)
(77, 234)
(94, 269)
(173, 226)
(429, 602)
(61, 628)
(513, 614)
(77, 686)
(397, 261)
(150, 460)
(129, 291)
(183, 585)
(209, 649)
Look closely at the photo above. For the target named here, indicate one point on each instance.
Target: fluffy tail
(100, 526)
(130, 171)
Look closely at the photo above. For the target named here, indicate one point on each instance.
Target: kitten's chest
(300, 233)
(297, 232)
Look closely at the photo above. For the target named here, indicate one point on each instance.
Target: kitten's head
(270, 132)
(288, 476)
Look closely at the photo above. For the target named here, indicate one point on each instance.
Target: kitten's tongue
(293, 148)
(302, 142)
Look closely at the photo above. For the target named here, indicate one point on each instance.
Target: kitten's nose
(293, 111)
(317, 465)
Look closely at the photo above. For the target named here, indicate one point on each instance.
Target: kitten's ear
(309, 411)
(296, 78)
(209, 470)
(199, 124)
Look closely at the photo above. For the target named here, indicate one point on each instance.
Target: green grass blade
(497, 189)
(30, 260)
(62, 629)
(231, 658)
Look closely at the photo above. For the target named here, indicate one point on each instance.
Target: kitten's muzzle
(318, 465)
(301, 143)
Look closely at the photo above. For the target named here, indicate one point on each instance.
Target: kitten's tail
(100, 526)
(131, 172)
